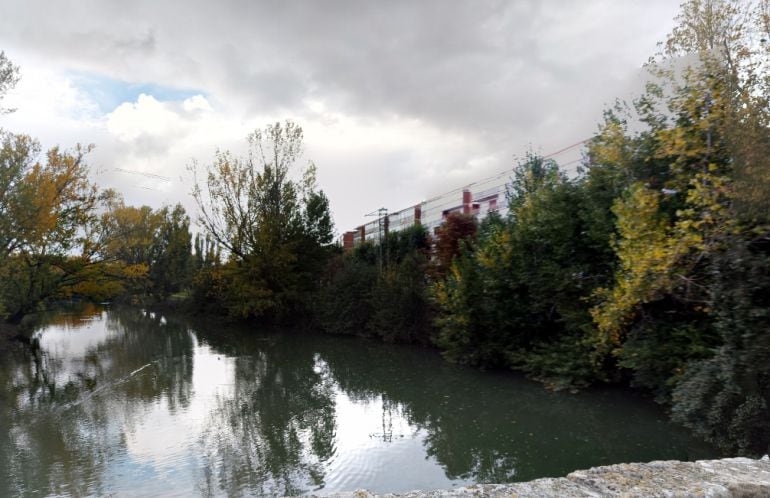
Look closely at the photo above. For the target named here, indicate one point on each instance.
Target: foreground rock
(730, 477)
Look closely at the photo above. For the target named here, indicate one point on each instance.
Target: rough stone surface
(730, 477)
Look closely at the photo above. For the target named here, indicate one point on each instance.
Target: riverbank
(729, 477)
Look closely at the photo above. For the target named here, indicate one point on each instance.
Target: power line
(142, 173)
(481, 181)
(507, 171)
(565, 149)
(146, 188)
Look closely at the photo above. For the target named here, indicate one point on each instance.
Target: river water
(125, 402)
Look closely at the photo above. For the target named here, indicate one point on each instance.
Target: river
(126, 402)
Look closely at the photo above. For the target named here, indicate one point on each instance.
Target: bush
(726, 398)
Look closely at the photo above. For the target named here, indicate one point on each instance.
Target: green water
(127, 403)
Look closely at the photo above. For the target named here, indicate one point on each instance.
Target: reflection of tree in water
(388, 407)
(418, 385)
(277, 430)
(148, 339)
(491, 427)
(59, 433)
(273, 430)
(281, 419)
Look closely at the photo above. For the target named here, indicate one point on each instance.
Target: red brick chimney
(467, 202)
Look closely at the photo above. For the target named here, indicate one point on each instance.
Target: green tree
(172, 265)
(273, 227)
(344, 304)
(514, 298)
(691, 231)
(391, 304)
(400, 308)
(726, 396)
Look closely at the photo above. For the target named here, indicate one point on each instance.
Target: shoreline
(728, 477)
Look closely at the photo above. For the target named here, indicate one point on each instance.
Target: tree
(46, 207)
(456, 230)
(514, 297)
(9, 76)
(532, 172)
(686, 313)
(134, 233)
(725, 397)
(358, 298)
(272, 226)
(157, 240)
(52, 240)
(698, 120)
(171, 268)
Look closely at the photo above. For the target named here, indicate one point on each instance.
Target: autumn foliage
(456, 230)
(649, 267)
(652, 266)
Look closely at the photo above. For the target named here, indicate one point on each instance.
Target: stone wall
(730, 477)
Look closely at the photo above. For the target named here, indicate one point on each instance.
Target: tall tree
(699, 118)
(171, 268)
(271, 224)
(159, 241)
(515, 299)
(692, 233)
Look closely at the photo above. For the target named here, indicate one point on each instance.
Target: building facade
(477, 199)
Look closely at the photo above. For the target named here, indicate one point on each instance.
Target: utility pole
(382, 234)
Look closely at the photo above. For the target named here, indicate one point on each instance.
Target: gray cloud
(503, 74)
(448, 61)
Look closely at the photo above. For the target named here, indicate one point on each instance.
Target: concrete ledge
(730, 477)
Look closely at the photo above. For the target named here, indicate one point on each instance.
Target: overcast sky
(399, 100)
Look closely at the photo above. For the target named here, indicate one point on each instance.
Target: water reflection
(274, 433)
(128, 402)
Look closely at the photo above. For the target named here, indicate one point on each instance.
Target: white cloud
(50, 107)
(398, 100)
(166, 121)
(149, 138)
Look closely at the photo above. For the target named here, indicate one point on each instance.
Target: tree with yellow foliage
(43, 206)
(693, 219)
(53, 242)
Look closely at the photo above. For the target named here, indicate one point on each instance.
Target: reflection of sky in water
(172, 414)
(163, 441)
(162, 435)
(68, 344)
(378, 448)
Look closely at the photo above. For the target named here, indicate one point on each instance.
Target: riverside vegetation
(649, 267)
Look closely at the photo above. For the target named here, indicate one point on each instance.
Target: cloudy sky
(399, 100)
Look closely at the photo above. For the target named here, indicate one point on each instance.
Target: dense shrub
(389, 301)
(726, 398)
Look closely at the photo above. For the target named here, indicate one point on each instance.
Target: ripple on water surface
(134, 404)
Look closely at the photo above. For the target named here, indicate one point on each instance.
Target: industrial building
(479, 199)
